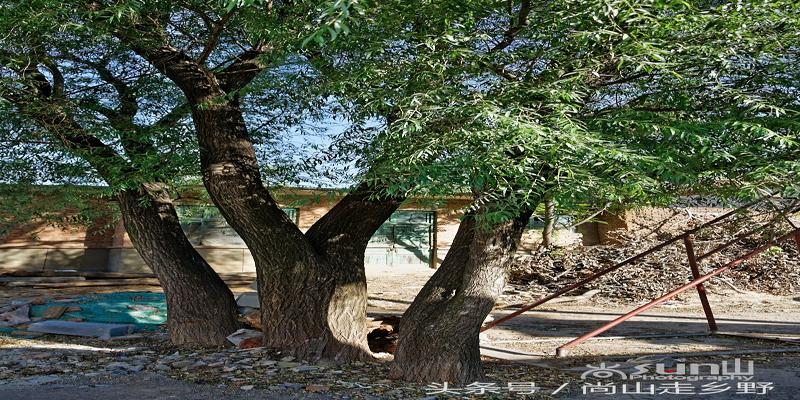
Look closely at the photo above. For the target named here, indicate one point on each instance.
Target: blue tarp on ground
(147, 311)
(144, 309)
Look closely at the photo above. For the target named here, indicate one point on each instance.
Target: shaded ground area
(543, 329)
(139, 386)
(149, 367)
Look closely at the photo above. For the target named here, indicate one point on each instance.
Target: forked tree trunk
(294, 282)
(200, 308)
(341, 237)
(439, 337)
(312, 287)
(310, 293)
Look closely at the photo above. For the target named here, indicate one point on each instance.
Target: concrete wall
(43, 246)
(92, 248)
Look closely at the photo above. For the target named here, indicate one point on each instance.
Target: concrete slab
(243, 334)
(92, 329)
(248, 299)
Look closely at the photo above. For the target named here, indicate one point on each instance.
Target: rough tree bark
(200, 307)
(341, 237)
(439, 332)
(549, 221)
(293, 280)
(312, 287)
(442, 285)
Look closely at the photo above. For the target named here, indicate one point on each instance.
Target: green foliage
(596, 102)
(332, 21)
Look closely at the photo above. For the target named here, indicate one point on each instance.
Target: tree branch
(243, 70)
(61, 123)
(172, 117)
(213, 37)
(128, 106)
(515, 27)
(58, 78)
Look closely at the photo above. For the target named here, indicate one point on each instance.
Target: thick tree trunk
(294, 282)
(311, 294)
(341, 237)
(312, 287)
(549, 222)
(442, 285)
(439, 336)
(200, 308)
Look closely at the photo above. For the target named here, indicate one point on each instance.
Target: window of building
(204, 225)
(562, 222)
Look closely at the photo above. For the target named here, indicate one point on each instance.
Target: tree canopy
(600, 101)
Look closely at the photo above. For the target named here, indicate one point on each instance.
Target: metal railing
(693, 259)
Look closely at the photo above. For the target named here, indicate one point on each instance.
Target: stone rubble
(535, 275)
(15, 314)
(244, 334)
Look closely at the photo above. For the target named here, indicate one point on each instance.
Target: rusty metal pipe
(746, 234)
(688, 241)
(797, 239)
(785, 214)
(564, 349)
(613, 268)
(733, 241)
(576, 285)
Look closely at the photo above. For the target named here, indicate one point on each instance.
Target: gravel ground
(61, 367)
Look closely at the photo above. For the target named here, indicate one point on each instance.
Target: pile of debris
(774, 271)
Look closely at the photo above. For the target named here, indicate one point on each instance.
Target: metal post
(44, 264)
(580, 283)
(616, 266)
(688, 241)
(785, 214)
(564, 349)
(797, 238)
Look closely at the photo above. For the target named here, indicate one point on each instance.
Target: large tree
(577, 101)
(66, 94)
(509, 102)
(312, 286)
